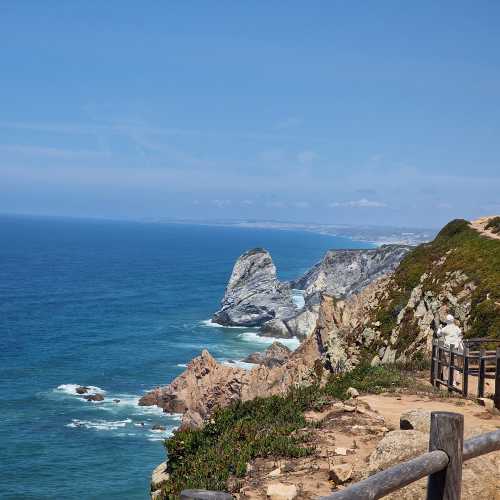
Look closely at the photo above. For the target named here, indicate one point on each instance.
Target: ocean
(121, 307)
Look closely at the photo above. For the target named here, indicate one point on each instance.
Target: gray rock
(254, 295)
(275, 328)
(304, 323)
(344, 272)
(341, 473)
(275, 355)
(395, 447)
(418, 420)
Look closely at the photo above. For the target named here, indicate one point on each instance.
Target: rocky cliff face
(344, 272)
(340, 274)
(254, 295)
(394, 318)
(206, 384)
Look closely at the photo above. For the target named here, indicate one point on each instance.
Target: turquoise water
(119, 306)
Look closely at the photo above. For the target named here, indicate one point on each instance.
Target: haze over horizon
(328, 112)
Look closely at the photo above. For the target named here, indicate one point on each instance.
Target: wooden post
(433, 361)
(435, 366)
(497, 380)
(447, 434)
(482, 366)
(465, 374)
(440, 364)
(451, 367)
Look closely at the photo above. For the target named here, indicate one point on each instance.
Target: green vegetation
(263, 427)
(460, 248)
(494, 225)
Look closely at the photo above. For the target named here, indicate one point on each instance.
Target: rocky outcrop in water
(206, 385)
(254, 294)
(342, 273)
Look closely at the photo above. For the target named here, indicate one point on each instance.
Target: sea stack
(254, 294)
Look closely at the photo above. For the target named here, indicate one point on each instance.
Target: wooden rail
(483, 364)
(442, 464)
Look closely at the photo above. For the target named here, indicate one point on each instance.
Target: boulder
(254, 294)
(275, 328)
(352, 392)
(395, 447)
(302, 325)
(275, 355)
(158, 427)
(82, 389)
(341, 473)
(159, 476)
(281, 491)
(94, 397)
(418, 420)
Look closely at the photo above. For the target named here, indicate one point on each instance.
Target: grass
(465, 251)
(263, 427)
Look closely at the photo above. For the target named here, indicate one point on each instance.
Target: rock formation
(206, 385)
(254, 295)
(275, 355)
(344, 272)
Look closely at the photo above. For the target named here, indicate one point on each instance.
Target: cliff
(342, 273)
(457, 273)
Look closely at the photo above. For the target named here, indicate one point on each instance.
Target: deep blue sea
(119, 306)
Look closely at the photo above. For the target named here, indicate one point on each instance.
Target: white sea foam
(239, 364)
(212, 324)
(181, 365)
(253, 337)
(298, 298)
(70, 389)
(99, 425)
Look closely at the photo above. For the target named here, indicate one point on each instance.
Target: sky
(363, 112)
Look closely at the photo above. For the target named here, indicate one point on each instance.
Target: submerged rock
(254, 294)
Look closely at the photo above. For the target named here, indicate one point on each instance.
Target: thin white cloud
(362, 203)
(276, 204)
(246, 203)
(221, 203)
(301, 204)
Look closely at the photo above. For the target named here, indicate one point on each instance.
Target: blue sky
(380, 112)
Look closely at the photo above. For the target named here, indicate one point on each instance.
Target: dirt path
(480, 226)
(476, 418)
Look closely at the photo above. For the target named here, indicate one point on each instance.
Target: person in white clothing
(451, 334)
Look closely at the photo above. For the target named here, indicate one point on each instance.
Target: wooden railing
(474, 360)
(442, 464)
